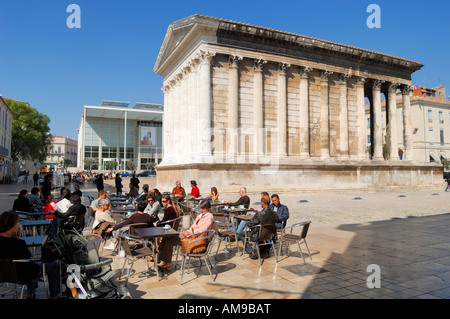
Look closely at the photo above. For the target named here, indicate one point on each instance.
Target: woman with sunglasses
(169, 212)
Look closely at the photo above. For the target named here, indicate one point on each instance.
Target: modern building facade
(248, 105)
(130, 138)
(430, 124)
(6, 116)
(63, 149)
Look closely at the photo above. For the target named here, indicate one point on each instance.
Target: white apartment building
(62, 148)
(6, 116)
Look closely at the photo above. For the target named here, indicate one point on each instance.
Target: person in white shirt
(153, 208)
(103, 214)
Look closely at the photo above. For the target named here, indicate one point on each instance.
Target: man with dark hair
(281, 210)
(264, 217)
(76, 209)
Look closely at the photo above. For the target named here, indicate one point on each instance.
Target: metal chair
(97, 239)
(175, 222)
(131, 255)
(91, 214)
(266, 235)
(291, 237)
(227, 232)
(203, 255)
(8, 275)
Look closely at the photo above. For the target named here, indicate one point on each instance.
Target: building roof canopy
(119, 113)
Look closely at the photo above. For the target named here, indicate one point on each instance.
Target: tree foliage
(31, 136)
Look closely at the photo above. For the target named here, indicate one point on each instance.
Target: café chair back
(132, 255)
(9, 275)
(295, 233)
(199, 255)
(266, 234)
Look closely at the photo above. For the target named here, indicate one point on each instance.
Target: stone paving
(404, 233)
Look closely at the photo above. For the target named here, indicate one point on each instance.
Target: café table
(153, 233)
(34, 241)
(35, 224)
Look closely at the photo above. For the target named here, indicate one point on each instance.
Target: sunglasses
(164, 201)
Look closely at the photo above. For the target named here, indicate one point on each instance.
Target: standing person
(448, 183)
(99, 182)
(46, 186)
(35, 179)
(134, 180)
(119, 186)
(400, 153)
(12, 248)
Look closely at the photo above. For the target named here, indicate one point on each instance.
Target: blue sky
(58, 70)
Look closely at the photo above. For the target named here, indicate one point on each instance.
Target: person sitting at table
(50, 207)
(143, 194)
(133, 192)
(240, 229)
(14, 248)
(157, 194)
(203, 222)
(77, 191)
(34, 197)
(213, 195)
(281, 210)
(102, 194)
(170, 212)
(21, 203)
(74, 210)
(243, 200)
(178, 190)
(264, 217)
(153, 207)
(195, 191)
(103, 214)
(64, 193)
(138, 217)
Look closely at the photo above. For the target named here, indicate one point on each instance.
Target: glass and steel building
(129, 138)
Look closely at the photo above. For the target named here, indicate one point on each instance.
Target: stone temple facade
(272, 110)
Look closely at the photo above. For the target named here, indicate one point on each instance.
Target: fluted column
(166, 121)
(409, 152)
(258, 110)
(391, 128)
(233, 107)
(304, 112)
(195, 137)
(205, 112)
(324, 115)
(343, 116)
(282, 109)
(176, 128)
(361, 118)
(377, 125)
(186, 115)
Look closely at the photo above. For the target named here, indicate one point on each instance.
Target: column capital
(282, 66)
(343, 78)
(205, 56)
(325, 74)
(166, 89)
(392, 87)
(304, 71)
(233, 60)
(258, 64)
(406, 89)
(376, 84)
(360, 81)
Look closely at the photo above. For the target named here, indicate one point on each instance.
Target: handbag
(198, 246)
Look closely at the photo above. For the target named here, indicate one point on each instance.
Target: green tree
(89, 162)
(131, 165)
(31, 136)
(110, 165)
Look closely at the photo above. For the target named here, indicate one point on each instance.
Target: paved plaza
(404, 233)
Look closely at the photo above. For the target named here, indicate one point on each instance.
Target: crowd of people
(151, 208)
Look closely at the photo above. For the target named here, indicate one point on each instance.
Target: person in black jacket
(14, 248)
(264, 217)
(21, 203)
(76, 209)
(99, 182)
(243, 200)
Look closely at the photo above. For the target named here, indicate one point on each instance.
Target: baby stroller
(83, 273)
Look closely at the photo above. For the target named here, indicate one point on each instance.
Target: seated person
(50, 207)
(21, 203)
(77, 191)
(264, 217)
(243, 200)
(103, 214)
(12, 248)
(34, 197)
(102, 194)
(153, 207)
(195, 191)
(133, 193)
(178, 190)
(213, 195)
(169, 212)
(138, 217)
(203, 222)
(281, 210)
(240, 230)
(144, 193)
(74, 210)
